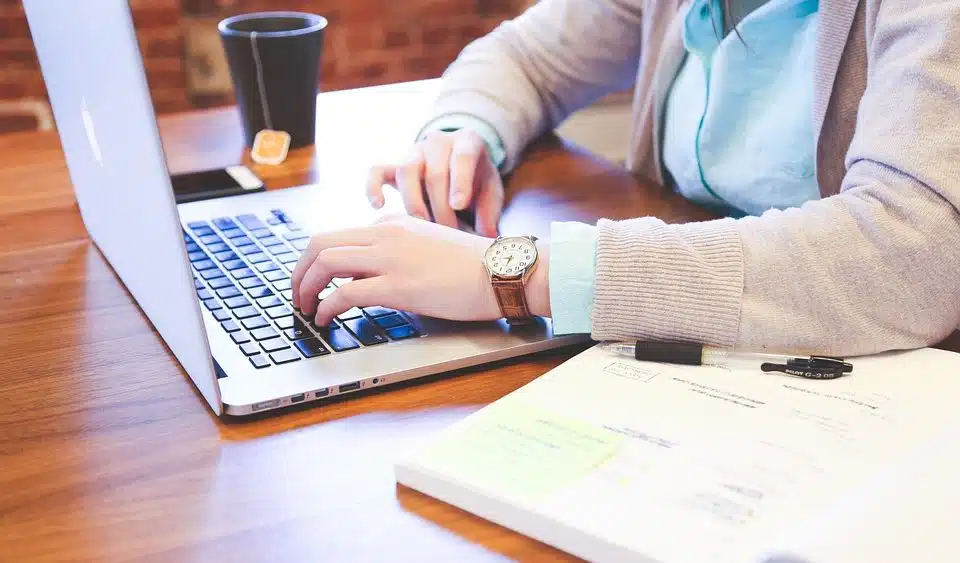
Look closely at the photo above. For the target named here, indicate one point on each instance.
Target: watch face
(511, 256)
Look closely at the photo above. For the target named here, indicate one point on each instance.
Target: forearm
(531, 72)
(872, 269)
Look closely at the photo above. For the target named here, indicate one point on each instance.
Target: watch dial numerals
(511, 257)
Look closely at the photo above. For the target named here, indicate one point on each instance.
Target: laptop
(213, 276)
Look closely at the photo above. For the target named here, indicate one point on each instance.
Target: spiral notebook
(611, 459)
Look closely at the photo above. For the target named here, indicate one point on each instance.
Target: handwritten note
(521, 451)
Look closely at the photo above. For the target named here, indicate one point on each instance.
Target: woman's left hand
(402, 263)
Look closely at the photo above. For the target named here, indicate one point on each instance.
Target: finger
(358, 293)
(409, 182)
(346, 237)
(489, 204)
(465, 155)
(379, 175)
(436, 152)
(342, 261)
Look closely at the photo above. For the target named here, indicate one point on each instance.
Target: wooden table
(107, 452)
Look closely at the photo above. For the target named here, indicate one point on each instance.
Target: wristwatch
(510, 261)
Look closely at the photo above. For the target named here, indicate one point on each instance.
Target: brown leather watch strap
(512, 300)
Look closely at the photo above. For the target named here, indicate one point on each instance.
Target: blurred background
(368, 42)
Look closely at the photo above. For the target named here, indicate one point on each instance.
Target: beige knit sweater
(874, 265)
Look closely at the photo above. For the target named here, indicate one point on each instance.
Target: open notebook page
(612, 459)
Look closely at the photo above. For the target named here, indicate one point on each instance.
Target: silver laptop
(213, 277)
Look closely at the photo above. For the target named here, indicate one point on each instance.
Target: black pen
(810, 367)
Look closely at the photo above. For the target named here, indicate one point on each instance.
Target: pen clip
(814, 367)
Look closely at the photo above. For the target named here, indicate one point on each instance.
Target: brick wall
(368, 42)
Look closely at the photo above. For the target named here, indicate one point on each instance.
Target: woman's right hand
(445, 173)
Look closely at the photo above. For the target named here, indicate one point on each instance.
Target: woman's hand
(407, 264)
(445, 173)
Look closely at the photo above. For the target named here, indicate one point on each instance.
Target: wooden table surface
(107, 452)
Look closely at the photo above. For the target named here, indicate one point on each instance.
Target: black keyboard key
(242, 273)
(197, 224)
(232, 265)
(338, 339)
(218, 247)
(276, 275)
(274, 344)
(236, 302)
(274, 221)
(220, 283)
(259, 361)
(287, 258)
(204, 294)
(286, 322)
(280, 214)
(228, 292)
(245, 313)
(210, 239)
(352, 313)
(225, 255)
(267, 267)
(258, 257)
(250, 283)
(233, 233)
(212, 304)
(287, 294)
(390, 321)
(221, 314)
(264, 333)
(196, 256)
(201, 265)
(402, 332)
(259, 292)
(281, 285)
(250, 221)
(261, 233)
(270, 241)
(197, 283)
(250, 348)
(270, 301)
(285, 356)
(298, 331)
(211, 274)
(240, 338)
(248, 249)
(365, 331)
(242, 241)
(230, 326)
(300, 244)
(202, 231)
(277, 312)
(192, 247)
(254, 323)
(224, 223)
(378, 311)
(311, 347)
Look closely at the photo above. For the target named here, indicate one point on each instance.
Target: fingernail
(456, 200)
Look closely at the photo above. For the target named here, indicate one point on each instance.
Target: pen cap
(670, 352)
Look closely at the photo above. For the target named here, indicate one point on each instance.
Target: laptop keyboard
(241, 270)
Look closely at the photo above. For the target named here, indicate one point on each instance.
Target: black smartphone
(219, 182)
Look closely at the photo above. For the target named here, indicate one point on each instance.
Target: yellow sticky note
(520, 452)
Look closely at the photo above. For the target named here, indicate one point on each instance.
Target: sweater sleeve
(531, 72)
(873, 268)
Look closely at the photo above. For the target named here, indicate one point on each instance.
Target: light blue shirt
(738, 134)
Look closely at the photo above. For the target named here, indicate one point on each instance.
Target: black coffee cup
(274, 60)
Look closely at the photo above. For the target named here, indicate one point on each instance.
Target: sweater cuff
(663, 282)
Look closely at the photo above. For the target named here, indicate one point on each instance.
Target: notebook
(611, 459)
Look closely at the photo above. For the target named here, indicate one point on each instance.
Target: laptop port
(297, 398)
(322, 393)
(349, 387)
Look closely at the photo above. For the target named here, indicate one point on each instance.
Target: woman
(829, 133)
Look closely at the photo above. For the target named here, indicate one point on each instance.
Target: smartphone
(214, 183)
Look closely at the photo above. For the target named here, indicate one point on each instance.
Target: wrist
(537, 287)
